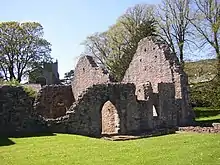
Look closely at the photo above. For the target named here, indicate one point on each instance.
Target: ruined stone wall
(84, 117)
(53, 100)
(86, 74)
(167, 110)
(16, 113)
(153, 62)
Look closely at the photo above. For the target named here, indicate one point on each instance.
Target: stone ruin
(153, 95)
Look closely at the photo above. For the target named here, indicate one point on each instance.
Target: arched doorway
(110, 119)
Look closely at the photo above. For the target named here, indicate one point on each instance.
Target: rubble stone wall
(53, 100)
(84, 117)
(16, 113)
(86, 74)
(155, 63)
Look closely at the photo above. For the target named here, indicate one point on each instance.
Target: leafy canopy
(22, 48)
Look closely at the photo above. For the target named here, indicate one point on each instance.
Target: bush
(29, 90)
(10, 83)
(206, 94)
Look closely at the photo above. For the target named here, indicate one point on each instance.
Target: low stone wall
(84, 116)
(129, 115)
(214, 129)
(53, 100)
(16, 115)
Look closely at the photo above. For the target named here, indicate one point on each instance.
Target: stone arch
(104, 101)
(86, 112)
(110, 118)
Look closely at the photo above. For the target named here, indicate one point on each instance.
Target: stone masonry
(152, 96)
(153, 62)
(16, 113)
(87, 73)
(84, 117)
(53, 101)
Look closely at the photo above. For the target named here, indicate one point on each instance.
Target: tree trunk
(218, 68)
(181, 56)
(19, 79)
(11, 73)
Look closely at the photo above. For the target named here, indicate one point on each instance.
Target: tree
(68, 77)
(174, 27)
(115, 47)
(97, 46)
(21, 47)
(206, 21)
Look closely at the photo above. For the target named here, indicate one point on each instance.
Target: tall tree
(206, 21)
(116, 47)
(22, 47)
(174, 27)
(97, 45)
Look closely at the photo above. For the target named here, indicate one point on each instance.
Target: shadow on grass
(25, 135)
(206, 123)
(4, 141)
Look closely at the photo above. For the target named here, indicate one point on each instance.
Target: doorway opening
(110, 119)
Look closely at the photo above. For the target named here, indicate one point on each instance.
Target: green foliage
(12, 82)
(206, 109)
(201, 70)
(209, 118)
(68, 77)
(124, 37)
(22, 48)
(29, 90)
(116, 47)
(181, 149)
(207, 114)
(206, 94)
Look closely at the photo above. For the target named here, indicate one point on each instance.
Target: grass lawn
(183, 148)
(217, 117)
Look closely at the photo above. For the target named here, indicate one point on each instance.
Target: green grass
(205, 109)
(183, 148)
(208, 118)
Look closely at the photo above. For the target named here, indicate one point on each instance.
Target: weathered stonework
(153, 62)
(84, 117)
(16, 113)
(86, 74)
(53, 100)
(132, 115)
(152, 96)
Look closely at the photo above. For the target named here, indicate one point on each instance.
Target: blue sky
(67, 22)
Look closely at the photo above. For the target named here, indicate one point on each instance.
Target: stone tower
(46, 75)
